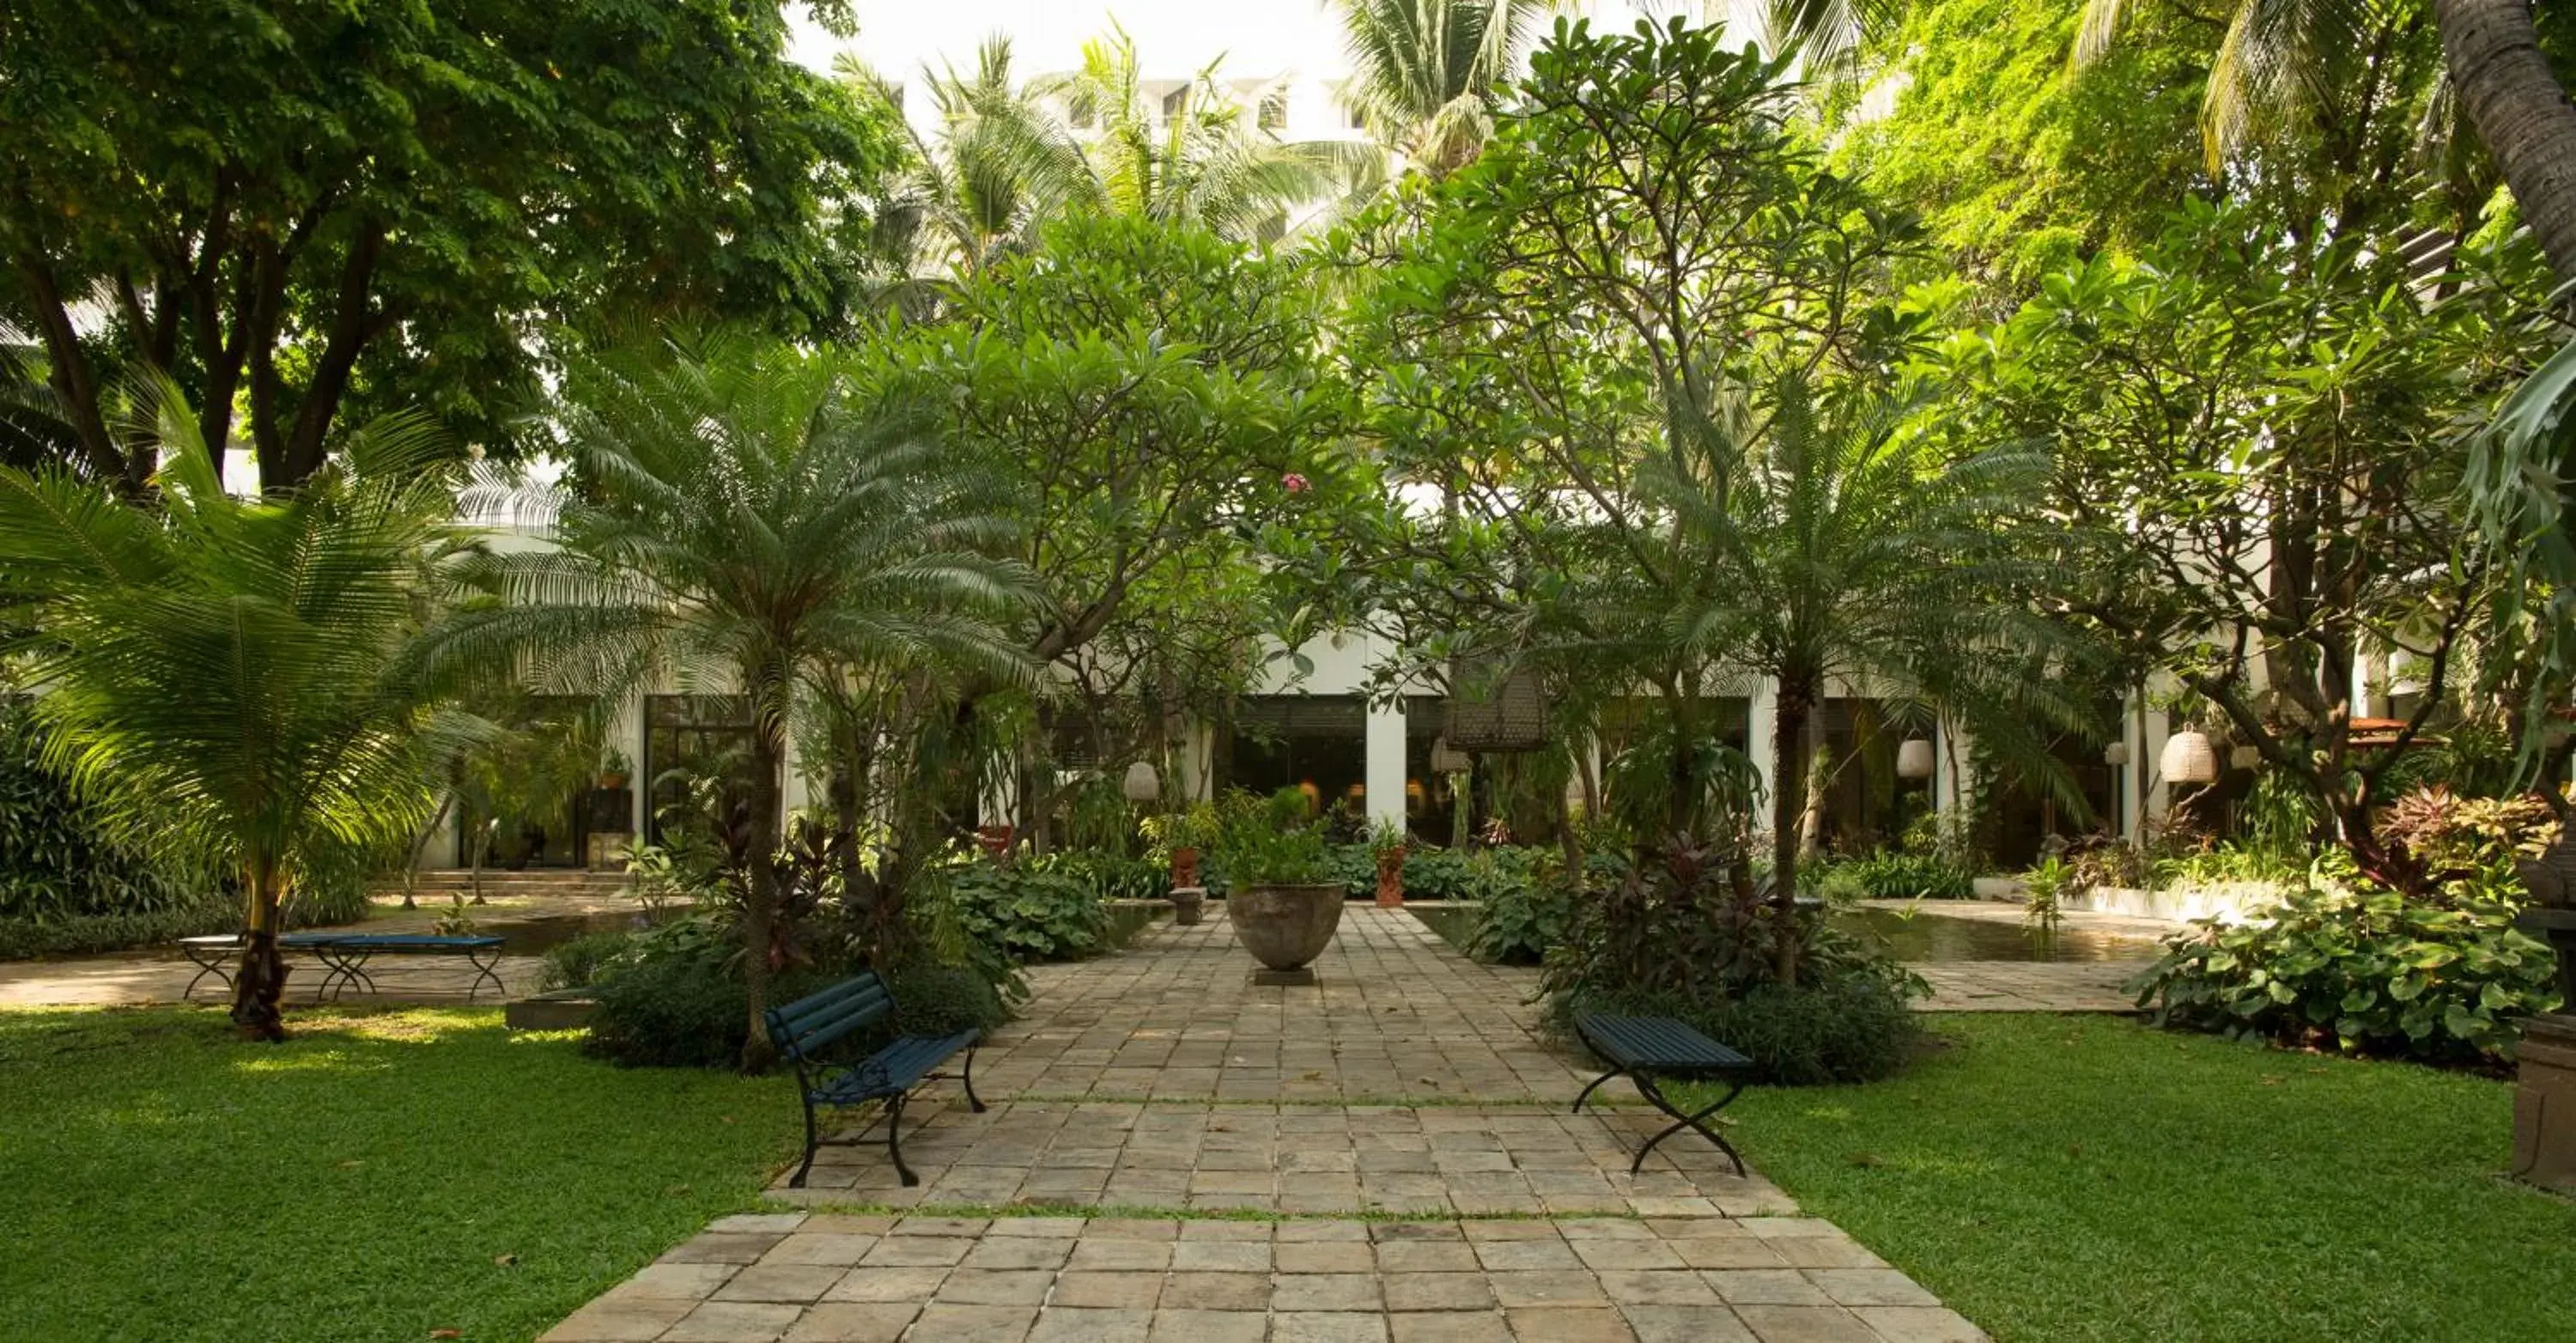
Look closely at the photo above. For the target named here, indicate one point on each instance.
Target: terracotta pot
(1284, 926)
(611, 782)
(1185, 867)
(1390, 877)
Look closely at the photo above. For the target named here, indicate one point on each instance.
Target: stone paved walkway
(1383, 1157)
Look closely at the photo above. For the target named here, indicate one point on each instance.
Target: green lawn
(2069, 1179)
(378, 1177)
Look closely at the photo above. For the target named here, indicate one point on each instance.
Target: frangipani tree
(748, 518)
(234, 677)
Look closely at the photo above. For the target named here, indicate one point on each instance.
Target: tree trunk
(2521, 114)
(1788, 805)
(760, 883)
(259, 982)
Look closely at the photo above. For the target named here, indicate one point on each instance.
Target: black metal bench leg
(483, 971)
(204, 968)
(973, 1101)
(797, 1181)
(1681, 1120)
(894, 1140)
(1586, 1093)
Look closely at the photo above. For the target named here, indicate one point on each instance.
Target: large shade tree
(303, 210)
(750, 518)
(235, 679)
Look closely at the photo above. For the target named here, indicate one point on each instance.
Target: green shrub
(1026, 913)
(96, 934)
(1852, 1027)
(1896, 876)
(1688, 935)
(1111, 876)
(681, 1011)
(62, 864)
(931, 998)
(2338, 962)
(581, 961)
(1518, 921)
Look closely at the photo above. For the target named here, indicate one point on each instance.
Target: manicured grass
(2065, 1179)
(377, 1177)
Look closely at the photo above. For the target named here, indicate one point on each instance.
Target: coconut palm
(1425, 74)
(749, 520)
(1822, 543)
(1202, 160)
(231, 677)
(998, 164)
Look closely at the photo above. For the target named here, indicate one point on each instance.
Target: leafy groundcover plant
(2343, 964)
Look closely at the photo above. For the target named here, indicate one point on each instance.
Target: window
(1316, 744)
(1274, 111)
(1359, 119)
(1175, 103)
(689, 737)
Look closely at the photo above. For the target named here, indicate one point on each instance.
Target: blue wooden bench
(803, 1029)
(1650, 1050)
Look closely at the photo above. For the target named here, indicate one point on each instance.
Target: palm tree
(998, 165)
(747, 516)
(2522, 112)
(1193, 156)
(1425, 74)
(231, 677)
(1825, 543)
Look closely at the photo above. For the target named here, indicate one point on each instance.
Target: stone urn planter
(1285, 927)
(2544, 1103)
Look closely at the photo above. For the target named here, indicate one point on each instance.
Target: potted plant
(1280, 897)
(1386, 845)
(613, 771)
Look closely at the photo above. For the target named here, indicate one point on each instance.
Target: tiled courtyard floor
(1383, 1156)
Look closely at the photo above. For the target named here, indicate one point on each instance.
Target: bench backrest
(814, 1021)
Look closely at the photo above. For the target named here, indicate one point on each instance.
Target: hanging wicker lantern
(1448, 759)
(1914, 758)
(1142, 784)
(2188, 758)
(2117, 753)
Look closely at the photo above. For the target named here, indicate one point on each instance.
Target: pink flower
(1296, 483)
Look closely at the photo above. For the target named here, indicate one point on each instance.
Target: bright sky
(1258, 38)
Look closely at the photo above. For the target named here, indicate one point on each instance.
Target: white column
(1762, 724)
(1384, 742)
(2151, 743)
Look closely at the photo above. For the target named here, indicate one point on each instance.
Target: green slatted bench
(803, 1029)
(1652, 1050)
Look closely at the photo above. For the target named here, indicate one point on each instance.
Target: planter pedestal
(2544, 1097)
(2544, 1104)
(1187, 901)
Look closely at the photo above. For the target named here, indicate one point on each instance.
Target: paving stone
(1210, 1326)
(1437, 1291)
(1325, 1291)
(1766, 1287)
(758, 1223)
(1308, 1326)
(722, 1248)
(1085, 1325)
(1657, 1287)
(1221, 1256)
(842, 1322)
(1501, 1256)
(1331, 1256)
(1805, 1324)
(973, 1324)
(733, 1322)
(1870, 1287)
(1563, 1325)
(1425, 1256)
(1217, 1291)
(1041, 1228)
(1547, 1288)
(621, 1321)
(687, 1282)
(997, 1286)
(765, 1281)
(1112, 1290)
(1685, 1324)
(1483, 1326)
(902, 1251)
(1602, 1255)
(1018, 1252)
(898, 1285)
(838, 1251)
